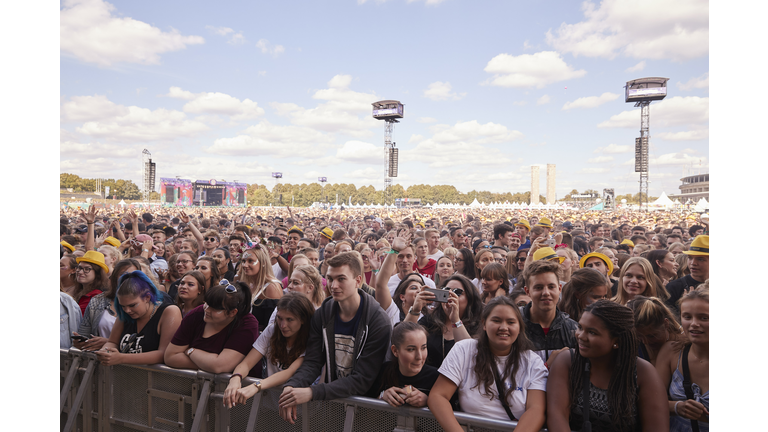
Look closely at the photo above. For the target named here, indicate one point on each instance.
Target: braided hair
(622, 387)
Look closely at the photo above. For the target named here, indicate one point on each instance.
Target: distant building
(693, 187)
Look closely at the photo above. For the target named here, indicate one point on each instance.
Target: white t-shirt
(262, 346)
(436, 256)
(106, 323)
(395, 280)
(278, 272)
(459, 366)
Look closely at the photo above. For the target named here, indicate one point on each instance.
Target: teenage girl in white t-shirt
(468, 368)
(282, 343)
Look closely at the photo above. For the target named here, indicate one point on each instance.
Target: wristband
(375, 271)
(392, 251)
(236, 375)
(676, 413)
(381, 395)
(458, 324)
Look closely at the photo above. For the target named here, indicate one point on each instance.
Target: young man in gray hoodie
(350, 335)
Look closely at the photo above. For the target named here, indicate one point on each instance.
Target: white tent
(475, 203)
(663, 202)
(122, 203)
(702, 205)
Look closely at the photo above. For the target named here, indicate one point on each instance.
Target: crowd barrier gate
(149, 398)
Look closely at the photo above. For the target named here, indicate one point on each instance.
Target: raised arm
(383, 296)
(90, 220)
(195, 232)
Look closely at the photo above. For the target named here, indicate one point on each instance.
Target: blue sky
(237, 90)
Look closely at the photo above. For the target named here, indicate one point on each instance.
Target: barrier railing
(97, 398)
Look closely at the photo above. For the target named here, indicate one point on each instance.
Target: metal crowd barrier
(97, 398)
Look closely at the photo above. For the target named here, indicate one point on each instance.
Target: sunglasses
(458, 291)
(228, 287)
(211, 239)
(520, 259)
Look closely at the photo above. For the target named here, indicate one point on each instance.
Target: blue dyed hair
(135, 283)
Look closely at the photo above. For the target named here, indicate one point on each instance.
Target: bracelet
(236, 375)
(381, 395)
(676, 413)
(375, 271)
(392, 251)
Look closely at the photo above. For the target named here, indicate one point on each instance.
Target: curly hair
(622, 387)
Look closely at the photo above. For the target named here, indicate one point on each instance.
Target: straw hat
(112, 241)
(523, 223)
(607, 260)
(545, 222)
(327, 233)
(548, 254)
(628, 242)
(699, 246)
(94, 257)
(68, 246)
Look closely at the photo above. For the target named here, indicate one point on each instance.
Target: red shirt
(428, 270)
(84, 300)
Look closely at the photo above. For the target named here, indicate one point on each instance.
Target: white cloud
(89, 32)
(438, 91)
(601, 159)
(680, 158)
(237, 38)
(361, 153)
(520, 103)
(340, 113)
(591, 101)
(217, 103)
(426, 120)
(268, 139)
(695, 83)
(543, 100)
(614, 149)
(462, 143)
(653, 29)
(636, 68)
(692, 135)
(105, 119)
(268, 48)
(594, 170)
(71, 149)
(530, 70)
(97, 107)
(416, 138)
(668, 112)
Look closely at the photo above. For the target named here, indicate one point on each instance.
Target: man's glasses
(183, 261)
(461, 235)
(85, 270)
(520, 259)
(211, 239)
(500, 260)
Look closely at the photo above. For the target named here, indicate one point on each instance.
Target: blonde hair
(651, 289)
(311, 273)
(263, 277)
(450, 252)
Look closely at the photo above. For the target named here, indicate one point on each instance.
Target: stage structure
(642, 92)
(176, 192)
(148, 171)
(609, 199)
(389, 111)
(322, 181)
(278, 196)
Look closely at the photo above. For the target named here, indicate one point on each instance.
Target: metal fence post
(72, 416)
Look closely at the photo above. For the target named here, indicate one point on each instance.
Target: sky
(238, 90)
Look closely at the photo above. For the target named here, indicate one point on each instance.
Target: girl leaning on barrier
(407, 379)
(215, 336)
(500, 353)
(146, 321)
(282, 344)
(623, 392)
(100, 314)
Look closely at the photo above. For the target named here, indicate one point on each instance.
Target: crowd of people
(570, 319)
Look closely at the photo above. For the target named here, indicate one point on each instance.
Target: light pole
(322, 181)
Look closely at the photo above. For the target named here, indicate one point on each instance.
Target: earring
(615, 346)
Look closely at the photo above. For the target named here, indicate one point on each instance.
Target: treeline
(302, 195)
(631, 199)
(122, 189)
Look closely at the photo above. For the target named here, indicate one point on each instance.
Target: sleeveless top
(148, 339)
(677, 393)
(262, 308)
(599, 409)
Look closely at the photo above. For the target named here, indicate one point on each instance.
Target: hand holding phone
(441, 296)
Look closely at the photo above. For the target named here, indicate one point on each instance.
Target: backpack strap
(502, 393)
(687, 384)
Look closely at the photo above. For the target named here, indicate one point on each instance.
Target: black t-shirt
(437, 346)
(676, 288)
(423, 381)
(615, 288)
(148, 339)
(173, 290)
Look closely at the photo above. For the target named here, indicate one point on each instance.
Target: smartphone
(551, 243)
(79, 338)
(441, 296)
